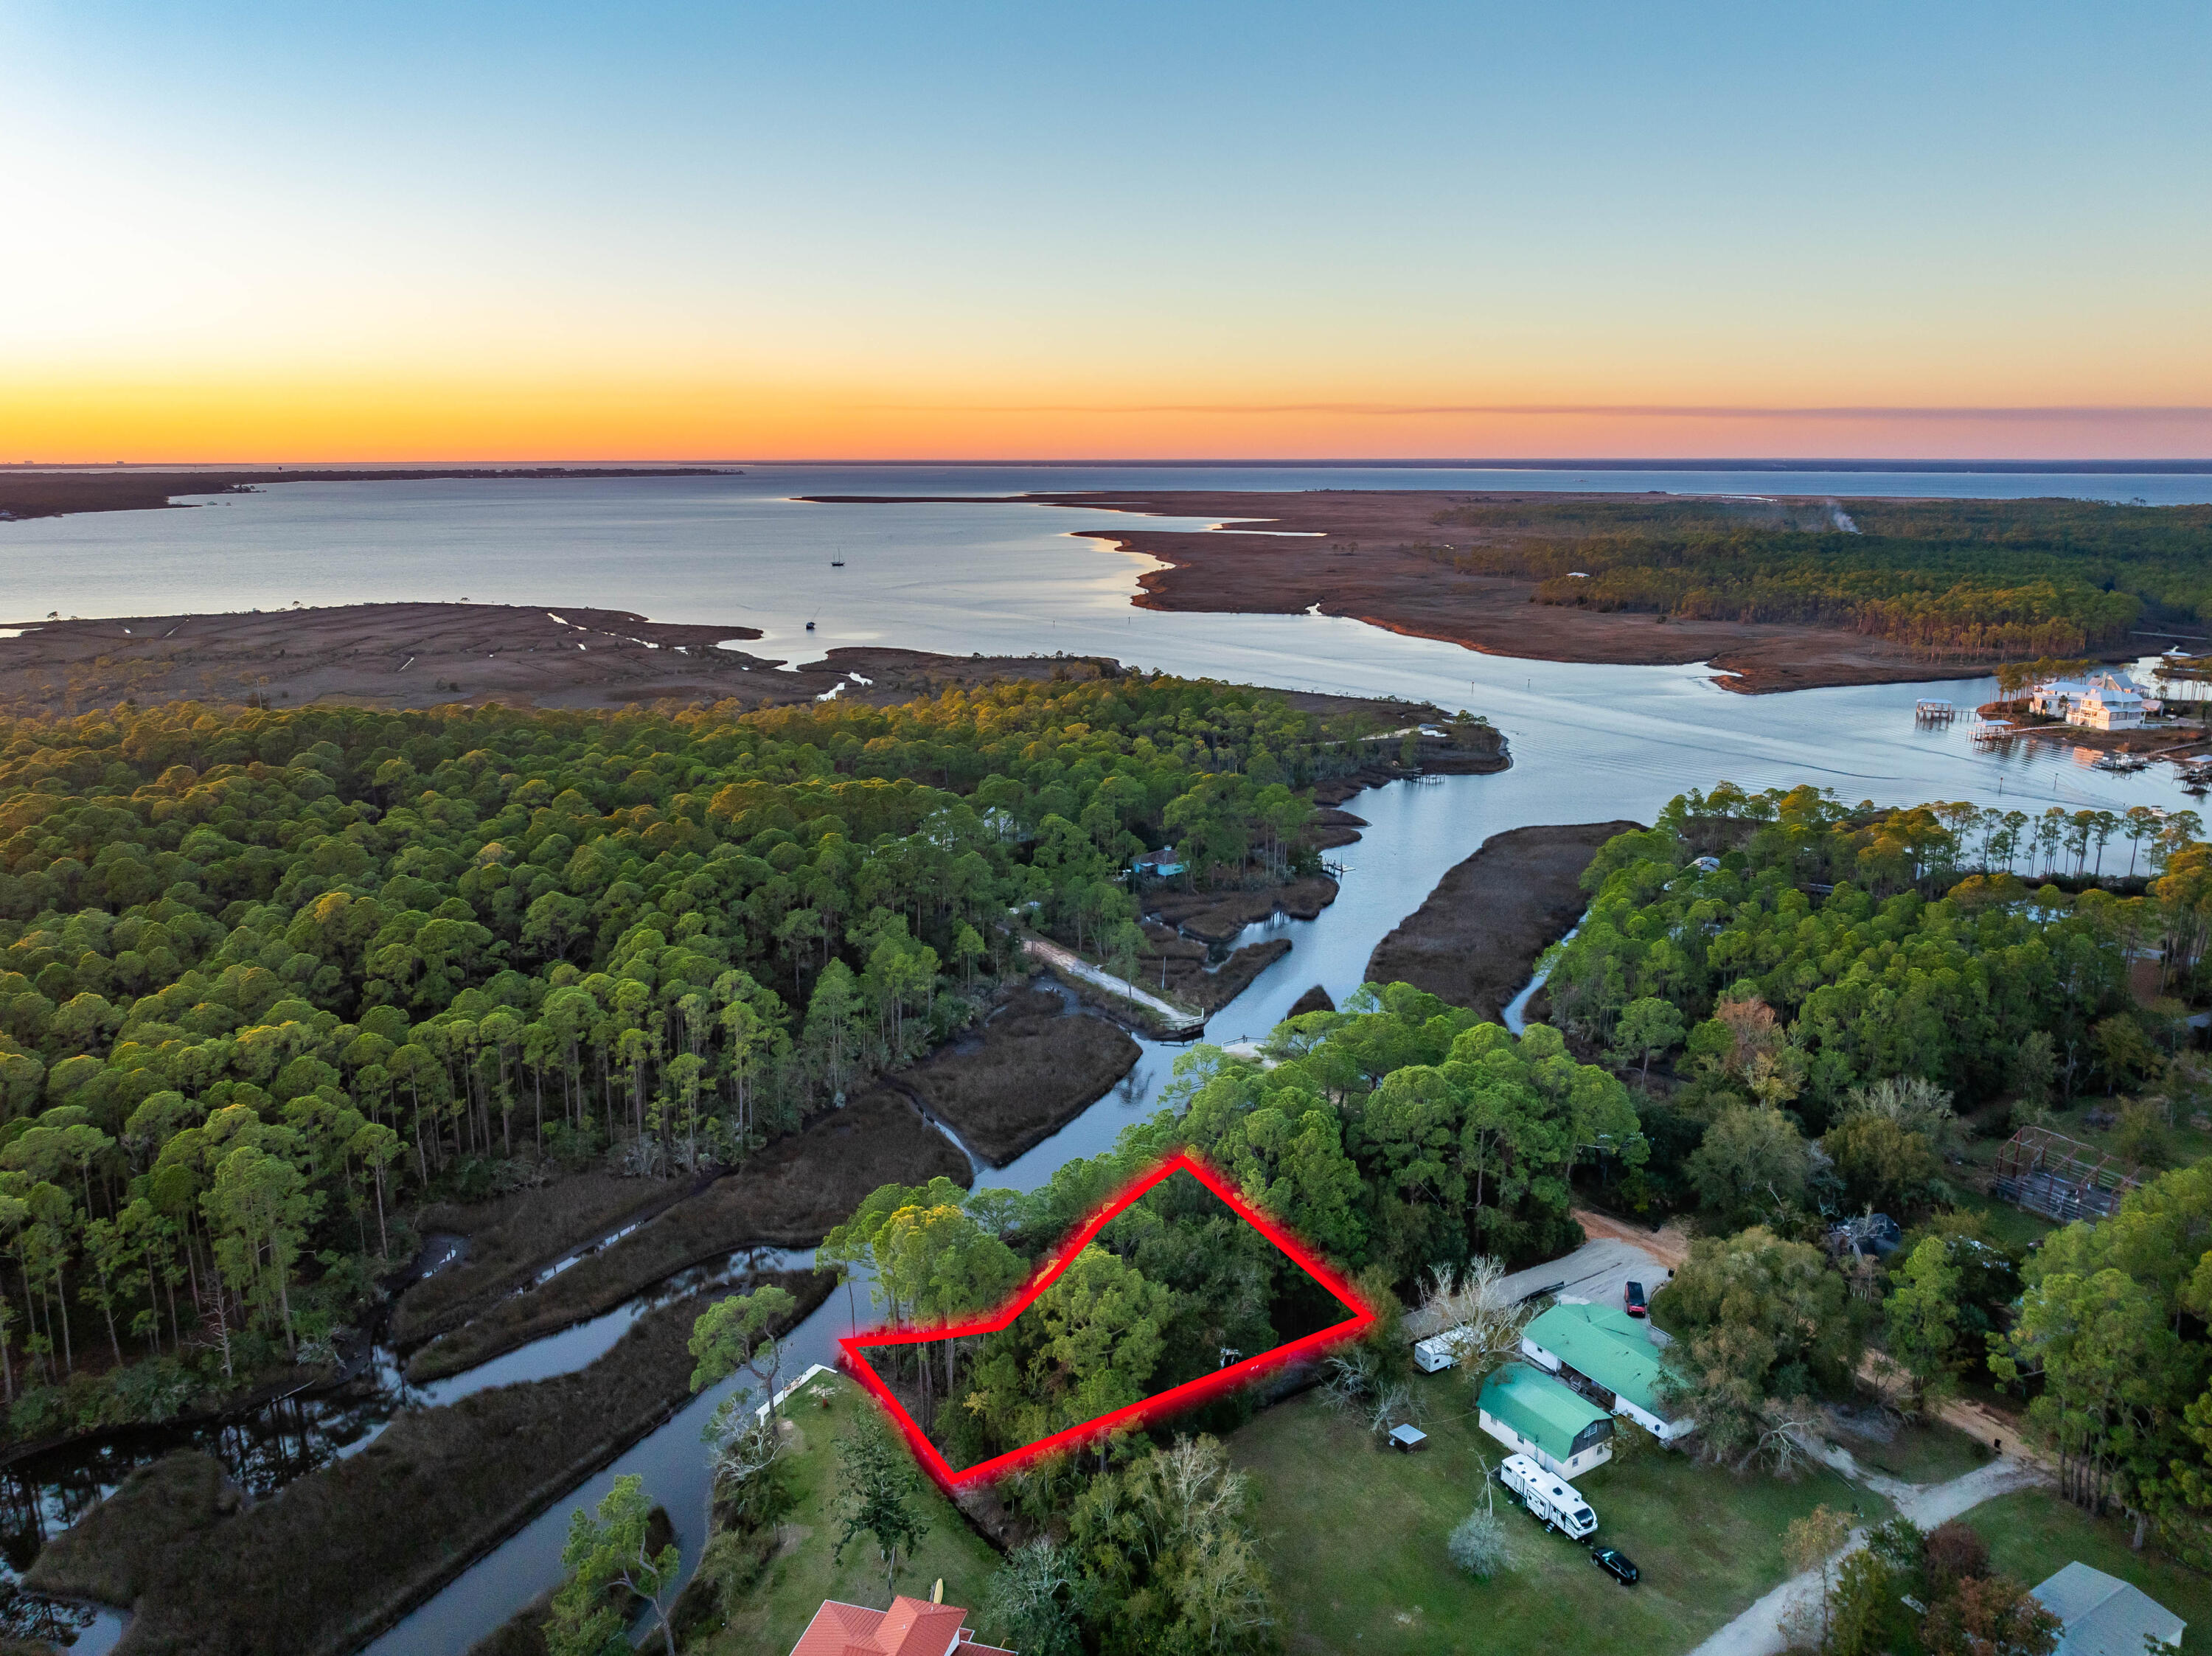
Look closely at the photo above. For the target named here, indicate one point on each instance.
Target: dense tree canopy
(1880, 942)
(261, 972)
(1946, 577)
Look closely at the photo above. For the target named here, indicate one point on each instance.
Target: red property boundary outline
(1137, 1414)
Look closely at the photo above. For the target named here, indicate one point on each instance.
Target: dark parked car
(1617, 1564)
(1632, 1296)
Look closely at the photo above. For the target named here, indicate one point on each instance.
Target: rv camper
(1551, 1500)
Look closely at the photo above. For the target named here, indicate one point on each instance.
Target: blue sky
(783, 225)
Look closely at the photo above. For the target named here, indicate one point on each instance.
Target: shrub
(1954, 1553)
(1478, 1545)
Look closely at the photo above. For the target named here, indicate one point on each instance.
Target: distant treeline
(1980, 579)
(55, 494)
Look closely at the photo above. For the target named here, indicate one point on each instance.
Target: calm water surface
(1589, 743)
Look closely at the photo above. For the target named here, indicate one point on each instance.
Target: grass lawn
(2184, 1145)
(1931, 1454)
(2032, 1534)
(2010, 1227)
(780, 1604)
(1354, 1539)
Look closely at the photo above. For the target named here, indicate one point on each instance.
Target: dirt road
(1758, 1631)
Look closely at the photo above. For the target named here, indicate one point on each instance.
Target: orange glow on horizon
(486, 417)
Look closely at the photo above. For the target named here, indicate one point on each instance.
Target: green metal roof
(1547, 1412)
(1605, 1344)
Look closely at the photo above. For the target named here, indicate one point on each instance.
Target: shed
(1613, 1352)
(1407, 1439)
(2104, 1615)
(1534, 1414)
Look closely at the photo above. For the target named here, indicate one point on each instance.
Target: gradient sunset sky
(398, 231)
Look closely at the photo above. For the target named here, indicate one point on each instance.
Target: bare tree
(1394, 1404)
(1470, 1310)
(1350, 1378)
(1789, 1433)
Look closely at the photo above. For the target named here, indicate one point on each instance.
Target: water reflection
(1590, 744)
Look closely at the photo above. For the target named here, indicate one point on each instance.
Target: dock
(1933, 713)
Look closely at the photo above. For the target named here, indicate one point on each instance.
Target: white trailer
(1550, 1500)
(1440, 1352)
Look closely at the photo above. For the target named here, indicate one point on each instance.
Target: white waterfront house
(1610, 1353)
(2101, 701)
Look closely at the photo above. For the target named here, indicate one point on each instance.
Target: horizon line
(1471, 463)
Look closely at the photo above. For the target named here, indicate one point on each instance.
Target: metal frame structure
(2061, 1178)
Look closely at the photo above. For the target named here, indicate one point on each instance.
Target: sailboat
(838, 562)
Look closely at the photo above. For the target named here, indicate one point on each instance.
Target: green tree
(1811, 1543)
(832, 1015)
(742, 1331)
(1032, 1602)
(877, 1495)
(1645, 1027)
(1168, 1559)
(967, 948)
(1882, 1164)
(1866, 1613)
(1752, 1160)
(260, 1208)
(1921, 1316)
(1759, 1322)
(610, 1563)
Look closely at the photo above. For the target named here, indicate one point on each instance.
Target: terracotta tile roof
(911, 1627)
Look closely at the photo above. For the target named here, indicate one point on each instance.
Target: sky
(665, 230)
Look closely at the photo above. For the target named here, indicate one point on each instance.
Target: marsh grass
(787, 1195)
(1033, 1068)
(344, 1551)
(511, 1239)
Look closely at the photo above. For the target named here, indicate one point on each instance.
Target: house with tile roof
(1609, 1357)
(1534, 1414)
(2105, 1616)
(911, 1627)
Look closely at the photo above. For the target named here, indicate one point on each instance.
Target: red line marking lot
(1169, 1402)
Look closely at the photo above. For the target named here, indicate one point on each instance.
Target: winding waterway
(1589, 743)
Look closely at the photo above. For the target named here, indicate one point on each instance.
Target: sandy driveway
(1758, 1631)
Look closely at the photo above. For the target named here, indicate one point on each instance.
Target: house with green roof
(1532, 1413)
(1607, 1354)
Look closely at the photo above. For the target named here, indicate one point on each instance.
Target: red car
(1632, 1296)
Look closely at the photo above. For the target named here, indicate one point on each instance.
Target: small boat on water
(2125, 763)
(837, 562)
(810, 626)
